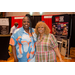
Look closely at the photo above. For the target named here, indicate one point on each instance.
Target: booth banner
(60, 18)
(60, 26)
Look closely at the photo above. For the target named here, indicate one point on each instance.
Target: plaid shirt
(45, 48)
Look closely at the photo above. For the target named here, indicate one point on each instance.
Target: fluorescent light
(31, 13)
(41, 13)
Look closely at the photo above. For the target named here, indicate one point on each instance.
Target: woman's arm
(58, 54)
(14, 53)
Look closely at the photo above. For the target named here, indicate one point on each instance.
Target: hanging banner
(47, 16)
(59, 19)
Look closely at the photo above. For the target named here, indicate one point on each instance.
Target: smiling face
(26, 23)
(41, 29)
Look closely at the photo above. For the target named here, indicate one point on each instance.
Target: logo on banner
(59, 19)
(56, 19)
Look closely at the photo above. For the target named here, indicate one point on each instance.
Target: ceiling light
(31, 13)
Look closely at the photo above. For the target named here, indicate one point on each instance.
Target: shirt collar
(24, 30)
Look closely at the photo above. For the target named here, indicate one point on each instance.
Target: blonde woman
(46, 45)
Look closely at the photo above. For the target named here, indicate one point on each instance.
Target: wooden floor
(66, 59)
(11, 59)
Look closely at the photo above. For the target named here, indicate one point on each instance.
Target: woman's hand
(58, 54)
(14, 53)
(15, 60)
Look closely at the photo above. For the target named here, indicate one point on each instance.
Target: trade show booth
(62, 26)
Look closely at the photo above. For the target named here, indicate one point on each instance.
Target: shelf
(5, 35)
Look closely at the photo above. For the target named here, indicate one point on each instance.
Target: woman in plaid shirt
(46, 45)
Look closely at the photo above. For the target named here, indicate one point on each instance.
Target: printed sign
(4, 21)
(59, 19)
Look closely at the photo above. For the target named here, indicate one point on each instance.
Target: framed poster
(4, 21)
(4, 26)
(60, 28)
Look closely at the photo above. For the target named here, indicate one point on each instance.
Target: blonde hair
(47, 30)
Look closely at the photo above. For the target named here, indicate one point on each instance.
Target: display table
(5, 35)
(4, 43)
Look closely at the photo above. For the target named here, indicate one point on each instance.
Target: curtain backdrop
(17, 19)
(48, 20)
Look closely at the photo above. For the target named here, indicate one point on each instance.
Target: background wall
(9, 14)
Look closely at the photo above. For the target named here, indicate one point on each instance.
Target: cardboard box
(72, 52)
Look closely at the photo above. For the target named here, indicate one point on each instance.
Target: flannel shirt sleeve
(54, 43)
